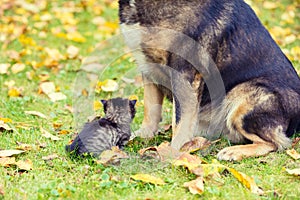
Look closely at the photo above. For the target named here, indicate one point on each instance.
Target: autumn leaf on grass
(4, 68)
(295, 172)
(24, 147)
(111, 156)
(192, 162)
(293, 153)
(8, 153)
(46, 134)
(6, 161)
(72, 52)
(195, 186)
(270, 5)
(57, 96)
(47, 87)
(24, 165)
(212, 169)
(50, 157)
(4, 127)
(18, 67)
(247, 181)
(108, 85)
(197, 143)
(36, 113)
(14, 92)
(2, 193)
(164, 151)
(146, 178)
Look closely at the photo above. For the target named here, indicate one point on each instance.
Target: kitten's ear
(104, 103)
(132, 103)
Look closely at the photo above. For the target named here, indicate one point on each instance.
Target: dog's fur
(262, 103)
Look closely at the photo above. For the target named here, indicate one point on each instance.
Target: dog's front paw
(230, 154)
(145, 133)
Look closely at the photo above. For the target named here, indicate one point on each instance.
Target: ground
(39, 40)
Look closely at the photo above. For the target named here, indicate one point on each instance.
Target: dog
(220, 67)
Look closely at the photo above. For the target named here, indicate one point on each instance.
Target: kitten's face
(120, 110)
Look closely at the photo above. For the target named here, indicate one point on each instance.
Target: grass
(66, 178)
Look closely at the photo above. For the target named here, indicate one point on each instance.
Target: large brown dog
(222, 70)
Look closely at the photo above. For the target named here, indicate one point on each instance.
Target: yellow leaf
(247, 181)
(4, 126)
(270, 5)
(6, 161)
(8, 153)
(24, 147)
(14, 92)
(109, 86)
(24, 165)
(64, 132)
(36, 113)
(195, 186)
(18, 67)
(97, 105)
(293, 153)
(47, 87)
(146, 178)
(6, 120)
(295, 172)
(75, 36)
(57, 96)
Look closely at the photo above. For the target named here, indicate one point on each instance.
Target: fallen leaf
(293, 153)
(295, 172)
(197, 143)
(50, 157)
(4, 127)
(146, 178)
(6, 161)
(47, 87)
(4, 68)
(46, 134)
(8, 153)
(72, 52)
(57, 96)
(2, 193)
(213, 169)
(10, 84)
(24, 147)
(295, 141)
(63, 132)
(270, 5)
(109, 86)
(6, 120)
(18, 67)
(36, 113)
(195, 186)
(111, 156)
(247, 181)
(24, 165)
(14, 92)
(164, 151)
(192, 162)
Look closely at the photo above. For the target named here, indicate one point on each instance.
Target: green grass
(66, 178)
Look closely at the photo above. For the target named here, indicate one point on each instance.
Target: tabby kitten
(103, 133)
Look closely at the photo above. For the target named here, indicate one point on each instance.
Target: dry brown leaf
(50, 157)
(36, 113)
(57, 96)
(4, 68)
(195, 186)
(24, 165)
(46, 134)
(197, 143)
(247, 181)
(8, 153)
(146, 178)
(295, 172)
(293, 153)
(47, 87)
(6, 161)
(111, 156)
(164, 151)
(18, 67)
(295, 141)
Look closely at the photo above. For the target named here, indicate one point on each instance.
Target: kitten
(103, 133)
